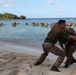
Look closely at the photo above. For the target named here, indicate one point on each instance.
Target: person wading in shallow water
(56, 33)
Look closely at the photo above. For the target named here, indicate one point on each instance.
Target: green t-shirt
(62, 35)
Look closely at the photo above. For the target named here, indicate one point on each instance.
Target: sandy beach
(17, 60)
(27, 27)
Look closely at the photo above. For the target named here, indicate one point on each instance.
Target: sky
(40, 8)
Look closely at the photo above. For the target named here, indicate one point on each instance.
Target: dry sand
(14, 62)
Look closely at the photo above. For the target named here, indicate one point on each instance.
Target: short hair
(61, 21)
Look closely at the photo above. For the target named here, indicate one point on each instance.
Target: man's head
(62, 24)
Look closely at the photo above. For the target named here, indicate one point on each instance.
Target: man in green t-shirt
(69, 48)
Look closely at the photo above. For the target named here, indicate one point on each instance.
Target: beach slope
(17, 63)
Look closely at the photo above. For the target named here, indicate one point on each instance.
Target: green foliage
(11, 16)
(22, 17)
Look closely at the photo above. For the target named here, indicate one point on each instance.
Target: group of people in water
(67, 41)
(14, 24)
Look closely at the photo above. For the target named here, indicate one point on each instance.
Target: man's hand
(47, 44)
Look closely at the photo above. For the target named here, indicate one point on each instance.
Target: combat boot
(54, 69)
(66, 66)
(74, 61)
(37, 63)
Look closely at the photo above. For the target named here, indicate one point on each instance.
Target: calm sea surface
(28, 34)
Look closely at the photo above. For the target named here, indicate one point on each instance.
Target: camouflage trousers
(48, 47)
(69, 56)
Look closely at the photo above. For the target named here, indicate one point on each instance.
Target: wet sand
(17, 60)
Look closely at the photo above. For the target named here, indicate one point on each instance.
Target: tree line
(11, 16)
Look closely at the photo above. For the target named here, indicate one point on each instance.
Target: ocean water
(28, 34)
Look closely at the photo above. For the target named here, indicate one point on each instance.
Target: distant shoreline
(6, 15)
(41, 18)
(12, 19)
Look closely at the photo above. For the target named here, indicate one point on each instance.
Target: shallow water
(27, 34)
